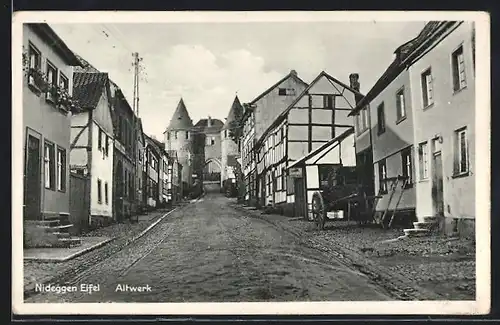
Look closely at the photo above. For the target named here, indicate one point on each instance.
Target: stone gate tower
(179, 137)
(229, 148)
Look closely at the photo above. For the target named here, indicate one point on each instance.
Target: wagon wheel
(318, 210)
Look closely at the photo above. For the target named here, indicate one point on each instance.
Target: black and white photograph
(251, 162)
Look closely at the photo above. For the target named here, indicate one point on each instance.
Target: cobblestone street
(211, 251)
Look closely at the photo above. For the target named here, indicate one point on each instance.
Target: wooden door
(437, 184)
(32, 178)
(300, 198)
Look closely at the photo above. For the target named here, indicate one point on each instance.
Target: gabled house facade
(125, 150)
(152, 175)
(47, 106)
(92, 141)
(386, 140)
(262, 111)
(163, 170)
(422, 129)
(317, 115)
(248, 161)
(442, 77)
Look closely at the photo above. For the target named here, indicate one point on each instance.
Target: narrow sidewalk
(123, 234)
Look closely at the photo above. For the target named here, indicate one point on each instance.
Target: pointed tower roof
(235, 113)
(180, 119)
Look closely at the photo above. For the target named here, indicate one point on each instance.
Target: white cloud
(207, 64)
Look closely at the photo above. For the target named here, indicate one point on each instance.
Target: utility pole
(135, 109)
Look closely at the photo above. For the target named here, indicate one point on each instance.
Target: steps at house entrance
(421, 228)
(50, 233)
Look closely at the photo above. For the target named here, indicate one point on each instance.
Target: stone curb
(151, 226)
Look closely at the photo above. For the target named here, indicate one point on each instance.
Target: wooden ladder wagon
(356, 206)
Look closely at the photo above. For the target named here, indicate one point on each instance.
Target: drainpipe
(89, 166)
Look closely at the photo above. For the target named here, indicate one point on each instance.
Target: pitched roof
(403, 53)
(202, 125)
(85, 66)
(180, 119)
(88, 88)
(283, 114)
(47, 33)
(235, 113)
(292, 74)
(157, 145)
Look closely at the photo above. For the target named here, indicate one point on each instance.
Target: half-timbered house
(92, 146)
(262, 111)
(317, 115)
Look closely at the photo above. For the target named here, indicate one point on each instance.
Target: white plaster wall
(102, 168)
(450, 111)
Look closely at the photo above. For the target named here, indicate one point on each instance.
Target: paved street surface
(208, 251)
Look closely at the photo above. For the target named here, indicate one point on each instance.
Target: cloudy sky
(208, 63)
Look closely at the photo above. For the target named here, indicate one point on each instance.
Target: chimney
(354, 83)
(209, 121)
(293, 73)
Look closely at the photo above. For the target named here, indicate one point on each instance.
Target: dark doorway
(364, 164)
(32, 179)
(437, 184)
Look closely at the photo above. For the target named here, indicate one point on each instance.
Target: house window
(51, 74)
(61, 169)
(187, 135)
(423, 160)
(175, 135)
(106, 195)
(362, 120)
(49, 166)
(63, 81)
(458, 69)
(381, 118)
(35, 58)
(427, 91)
(286, 92)
(106, 144)
(461, 152)
(407, 166)
(382, 175)
(328, 101)
(225, 134)
(99, 191)
(400, 105)
(168, 135)
(99, 139)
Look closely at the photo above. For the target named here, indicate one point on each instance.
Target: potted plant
(36, 78)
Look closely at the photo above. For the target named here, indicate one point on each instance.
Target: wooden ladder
(394, 185)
